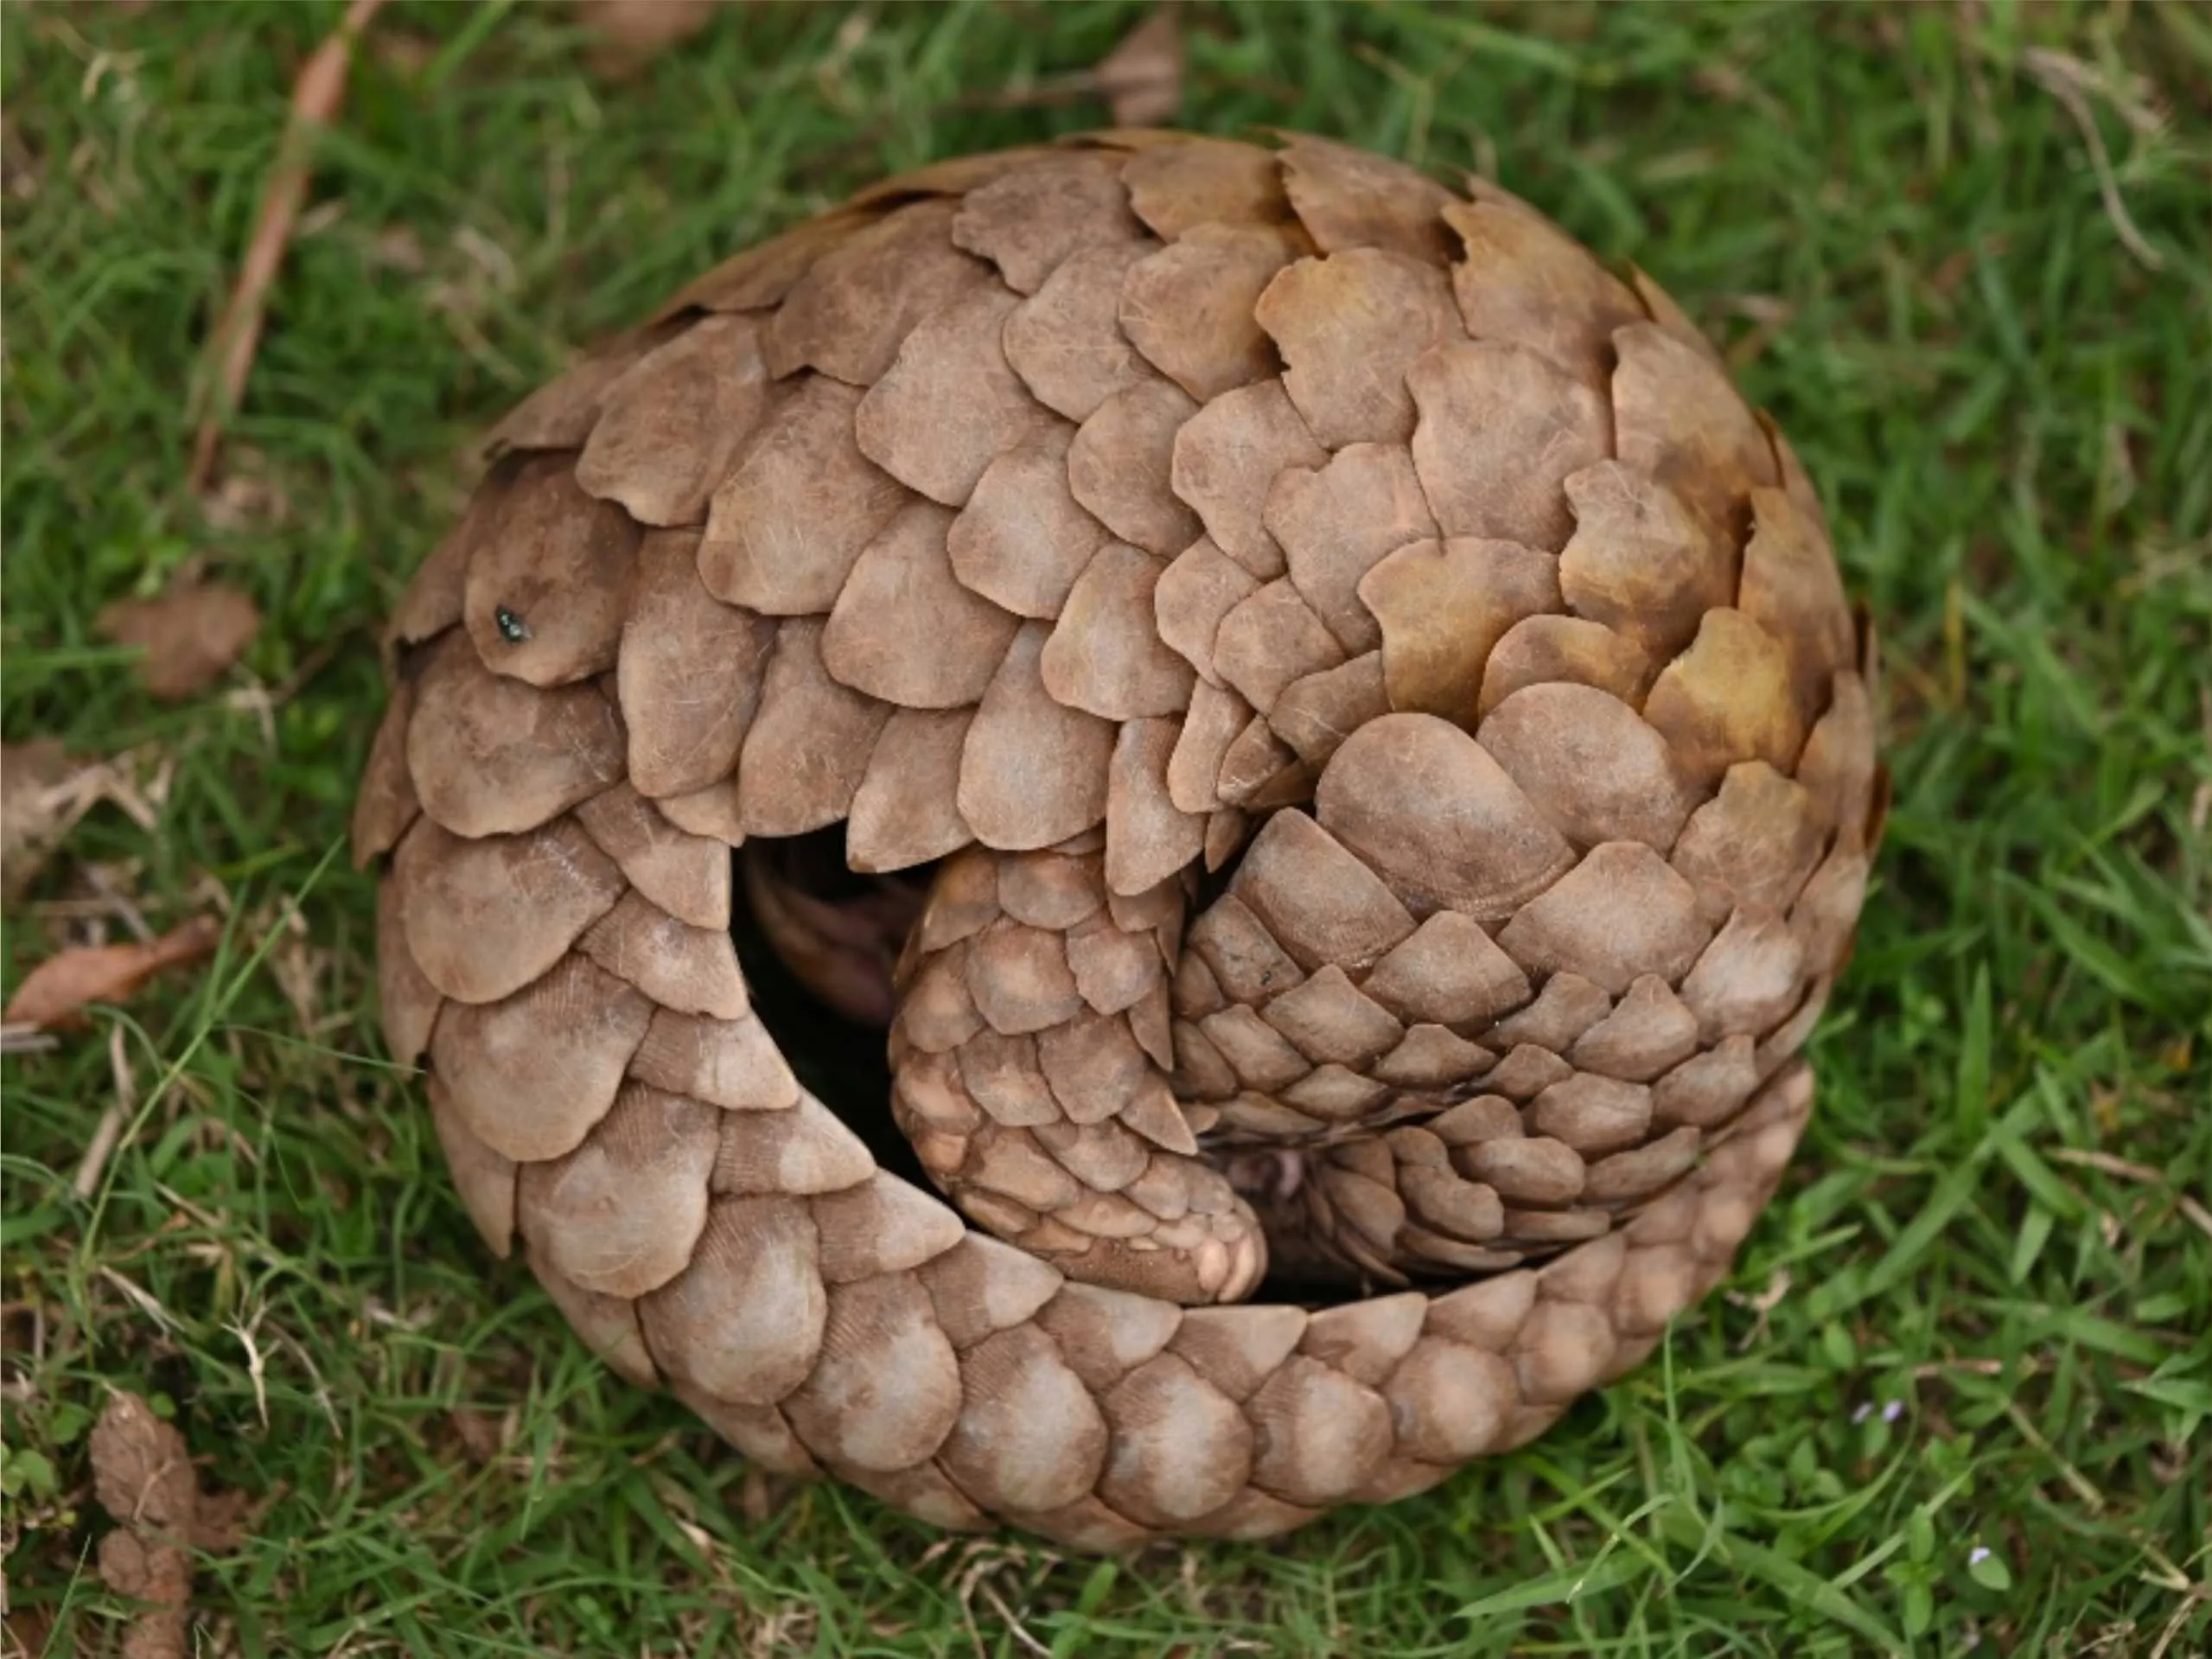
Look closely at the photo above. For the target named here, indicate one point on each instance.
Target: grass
(1960, 1398)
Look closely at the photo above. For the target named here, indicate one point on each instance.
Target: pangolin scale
(1386, 773)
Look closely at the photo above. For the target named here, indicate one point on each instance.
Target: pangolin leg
(1031, 1053)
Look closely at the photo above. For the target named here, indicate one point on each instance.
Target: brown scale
(1320, 733)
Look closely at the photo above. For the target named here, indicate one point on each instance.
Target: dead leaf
(159, 1574)
(247, 497)
(191, 634)
(1142, 77)
(221, 1526)
(406, 55)
(480, 1439)
(141, 1471)
(136, 783)
(398, 248)
(56, 992)
(32, 818)
(632, 31)
(757, 1497)
(41, 802)
(143, 1474)
(31, 1628)
(315, 96)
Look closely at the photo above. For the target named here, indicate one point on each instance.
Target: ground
(1958, 1397)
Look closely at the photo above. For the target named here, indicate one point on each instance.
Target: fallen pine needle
(2107, 1164)
(2200, 1217)
(257, 1368)
(105, 1133)
(316, 98)
(109, 1130)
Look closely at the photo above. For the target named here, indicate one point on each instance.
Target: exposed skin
(1273, 1176)
(842, 949)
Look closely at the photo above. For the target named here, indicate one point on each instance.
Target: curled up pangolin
(1321, 729)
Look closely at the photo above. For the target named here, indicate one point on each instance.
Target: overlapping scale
(1349, 326)
(689, 673)
(1421, 758)
(547, 582)
(1188, 308)
(670, 425)
(491, 756)
(847, 318)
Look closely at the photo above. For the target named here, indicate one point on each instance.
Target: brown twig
(2066, 78)
(2106, 1163)
(316, 98)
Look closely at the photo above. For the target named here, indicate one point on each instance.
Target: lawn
(1959, 1396)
